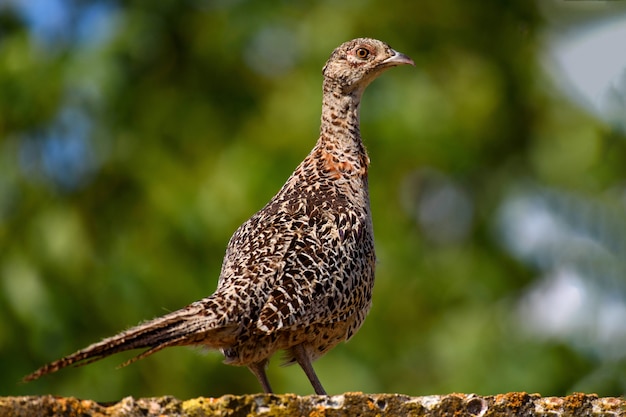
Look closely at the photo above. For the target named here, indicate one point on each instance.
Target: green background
(132, 146)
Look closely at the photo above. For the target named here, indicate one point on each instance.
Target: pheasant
(298, 275)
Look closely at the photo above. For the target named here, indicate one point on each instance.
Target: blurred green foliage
(133, 144)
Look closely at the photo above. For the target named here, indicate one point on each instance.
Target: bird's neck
(340, 137)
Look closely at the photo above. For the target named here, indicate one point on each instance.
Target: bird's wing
(293, 264)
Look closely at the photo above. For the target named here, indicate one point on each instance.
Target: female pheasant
(298, 275)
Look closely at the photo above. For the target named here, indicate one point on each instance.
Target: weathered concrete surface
(349, 404)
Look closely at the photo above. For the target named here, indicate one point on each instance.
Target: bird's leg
(258, 369)
(299, 353)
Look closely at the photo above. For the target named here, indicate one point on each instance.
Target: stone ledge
(349, 404)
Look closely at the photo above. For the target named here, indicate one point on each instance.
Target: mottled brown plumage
(298, 275)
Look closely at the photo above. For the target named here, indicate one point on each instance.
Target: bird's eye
(362, 53)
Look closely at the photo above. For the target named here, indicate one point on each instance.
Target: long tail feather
(188, 326)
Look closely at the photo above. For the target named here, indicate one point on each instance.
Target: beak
(398, 59)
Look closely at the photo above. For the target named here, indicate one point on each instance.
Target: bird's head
(356, 63)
